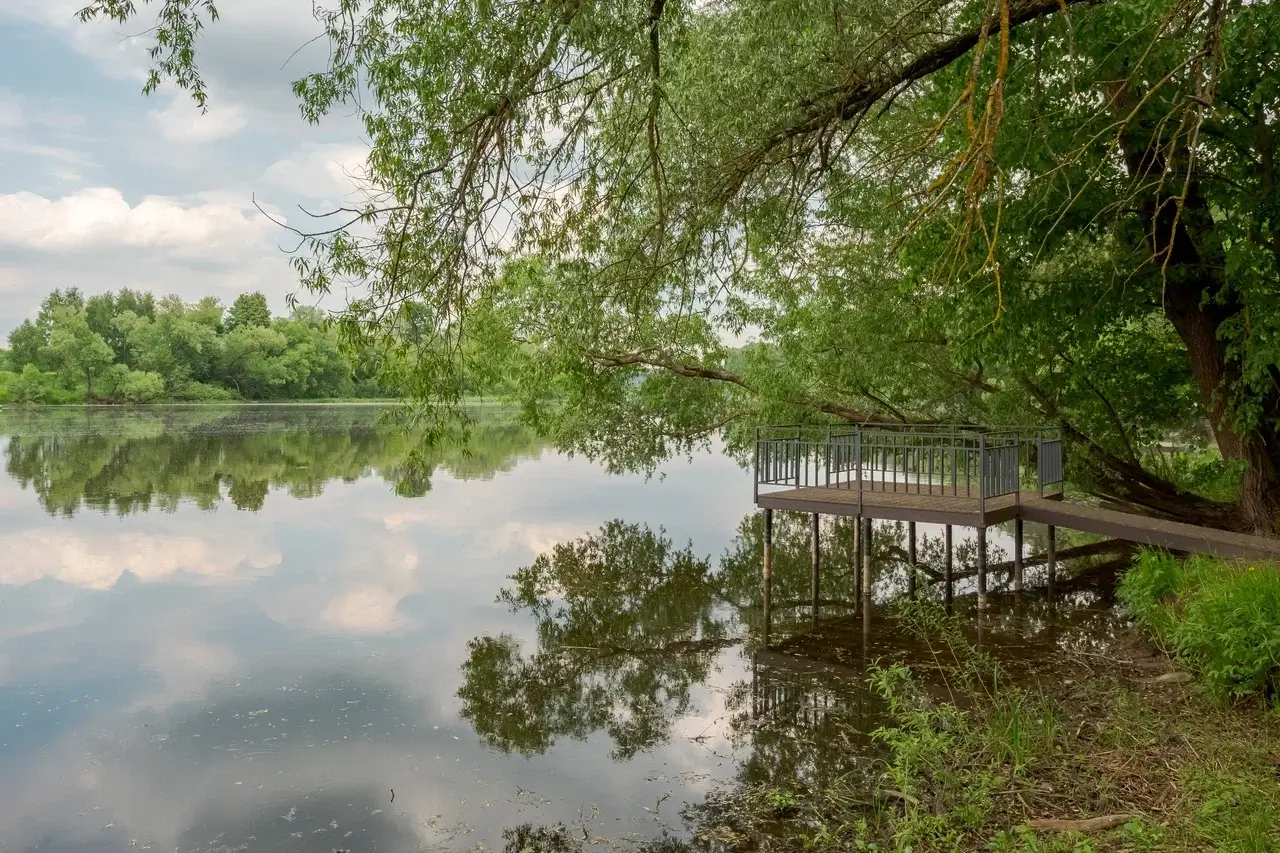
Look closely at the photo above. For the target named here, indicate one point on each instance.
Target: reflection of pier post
(867, 548)
(857, 562)
(1017, 555)
(1052, 560)
(767, 575)
(982, 568)
(911, 560)
(817, 560)
(950, 590)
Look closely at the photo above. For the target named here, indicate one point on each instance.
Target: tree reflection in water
(628, 625)
(130, 461)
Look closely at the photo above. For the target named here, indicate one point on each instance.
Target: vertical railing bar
(857, 438)
(932, 448)
(1040, 463)
(755, 487)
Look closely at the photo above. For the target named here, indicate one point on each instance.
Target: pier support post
(767, 574)
(949, 592)
(982, 568)
(1017, 555)
(857, 561)
(816, 580)
(866, 563)
(911, 560)
(1052, 558)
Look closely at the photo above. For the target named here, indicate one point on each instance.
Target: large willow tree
(996, 210)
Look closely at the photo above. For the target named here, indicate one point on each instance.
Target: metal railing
(1049, 464)
(949, 460)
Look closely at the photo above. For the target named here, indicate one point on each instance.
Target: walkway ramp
(1146, 530)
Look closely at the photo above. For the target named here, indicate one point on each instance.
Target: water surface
(257, 629)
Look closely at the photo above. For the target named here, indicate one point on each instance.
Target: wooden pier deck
(959, 510)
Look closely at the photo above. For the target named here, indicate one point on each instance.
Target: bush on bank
(1222, 618)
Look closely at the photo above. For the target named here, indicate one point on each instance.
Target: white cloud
(102, 218)
(182, 120)
(98, 562)
(320, 171)
(367, 609)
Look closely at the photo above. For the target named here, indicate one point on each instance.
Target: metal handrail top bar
(909, 428)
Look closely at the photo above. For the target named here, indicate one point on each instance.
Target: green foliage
(114, 346)
(1023, 839)
(139, 386)
(1236, 814)
(25, 344)
(1200, 472)
(626, 627)
(29, 386)
(76, 348)
(122, 460)
(249, 310)
(1222, 618)
(955, 760)
(103, 308)
(910, 222)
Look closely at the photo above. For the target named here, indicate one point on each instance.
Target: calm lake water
(255, 629)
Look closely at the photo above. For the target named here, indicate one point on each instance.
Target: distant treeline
(130, 347)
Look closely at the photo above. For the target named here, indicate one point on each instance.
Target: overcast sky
(103, 188)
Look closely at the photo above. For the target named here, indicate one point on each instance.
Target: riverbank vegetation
(1222, 619)
(1079, 754)
(129, 347)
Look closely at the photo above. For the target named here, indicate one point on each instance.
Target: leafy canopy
(997, 210)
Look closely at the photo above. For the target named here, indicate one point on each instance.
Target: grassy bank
(1220, 619)
(1096, 753)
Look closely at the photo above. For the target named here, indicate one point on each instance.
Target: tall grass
(1221, 618)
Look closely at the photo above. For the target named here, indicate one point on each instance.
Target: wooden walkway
(971, 512)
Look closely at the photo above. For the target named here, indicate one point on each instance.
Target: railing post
(826, 454)
(982, 473)
(755, 487)
(797, 455)
(857, 455)
(1062, 465)
(1040, 461)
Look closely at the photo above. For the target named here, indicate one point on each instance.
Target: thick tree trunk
(1197, 316)
(1197, 304)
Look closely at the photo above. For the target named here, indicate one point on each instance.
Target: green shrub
(141, 386)
(203, 392)
(1201, 472)
(33, 385)
(1222, 618)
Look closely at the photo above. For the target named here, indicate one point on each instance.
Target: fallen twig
(899, 795)
(1088, 825)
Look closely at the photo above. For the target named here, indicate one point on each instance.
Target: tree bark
(1197, 302)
